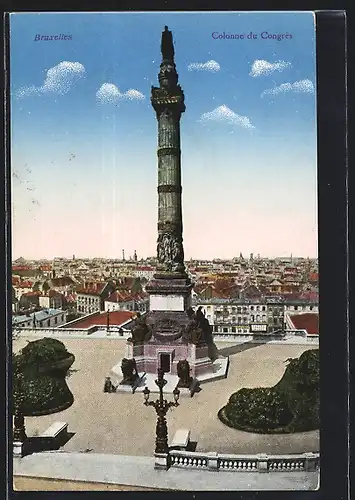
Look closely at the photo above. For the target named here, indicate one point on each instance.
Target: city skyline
(80, 183)
(129, 257)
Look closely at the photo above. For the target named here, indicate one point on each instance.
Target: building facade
(46, 318)
(242, 316)
(91, 298)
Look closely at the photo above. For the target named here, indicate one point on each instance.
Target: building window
(225, 330)
(55, 320)
(62, 317)
(252, 308)
(252, 317)
(239, 319)
(296, 308)
(49, 322)
(245, 319)
(311, 308)
(233, 319)
(233, 329)
(239, 309)
(263, 308)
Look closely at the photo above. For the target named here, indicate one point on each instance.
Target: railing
(289, 337)
(53, 332)
(306, 462)
(113, 332)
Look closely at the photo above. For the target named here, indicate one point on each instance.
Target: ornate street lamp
(19, 419)
(161, 406)
(108, 321)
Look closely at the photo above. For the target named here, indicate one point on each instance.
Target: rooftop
(116, 318)
(307, 321)
(91, 289)
(39, 315)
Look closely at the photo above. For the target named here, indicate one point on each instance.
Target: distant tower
(135, 256)
(123, 258)
(251, 256)
(73, 256)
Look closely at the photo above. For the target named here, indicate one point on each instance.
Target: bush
(260, 408)
(292, 405)
(43, 351)
(39, 389)
(45, 395)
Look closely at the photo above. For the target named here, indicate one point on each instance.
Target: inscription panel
(166, 303)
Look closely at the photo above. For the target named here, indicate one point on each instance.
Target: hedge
(292, 405)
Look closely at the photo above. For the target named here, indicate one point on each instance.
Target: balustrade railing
(244, 463)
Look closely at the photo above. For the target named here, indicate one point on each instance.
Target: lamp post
(108, 321)
(161, 407)
(19, 434)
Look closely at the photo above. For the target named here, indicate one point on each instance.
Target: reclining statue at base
(129, 371)
(183, 371)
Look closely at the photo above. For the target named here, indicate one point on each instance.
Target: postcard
(165, 312)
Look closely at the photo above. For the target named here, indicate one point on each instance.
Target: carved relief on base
(141, 332)
(170, 253)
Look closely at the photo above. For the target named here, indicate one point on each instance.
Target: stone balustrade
(53, 332)
(114, 332)
(244, 463)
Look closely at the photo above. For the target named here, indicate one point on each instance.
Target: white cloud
(110, 93)
(225, 114)
(211, 66)
(132, 95)
(261, 67)
(305, 86)
(59, 79)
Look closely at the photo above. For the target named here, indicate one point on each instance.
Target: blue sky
(84, 159)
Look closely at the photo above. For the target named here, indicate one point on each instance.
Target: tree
(136, 286)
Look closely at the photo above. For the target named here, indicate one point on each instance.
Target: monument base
(219, 371)
(151, 355)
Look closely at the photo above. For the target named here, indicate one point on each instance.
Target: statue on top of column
(167, 46)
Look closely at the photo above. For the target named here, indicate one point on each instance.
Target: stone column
(168, 103)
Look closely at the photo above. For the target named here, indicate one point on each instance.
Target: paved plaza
(119, 423)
